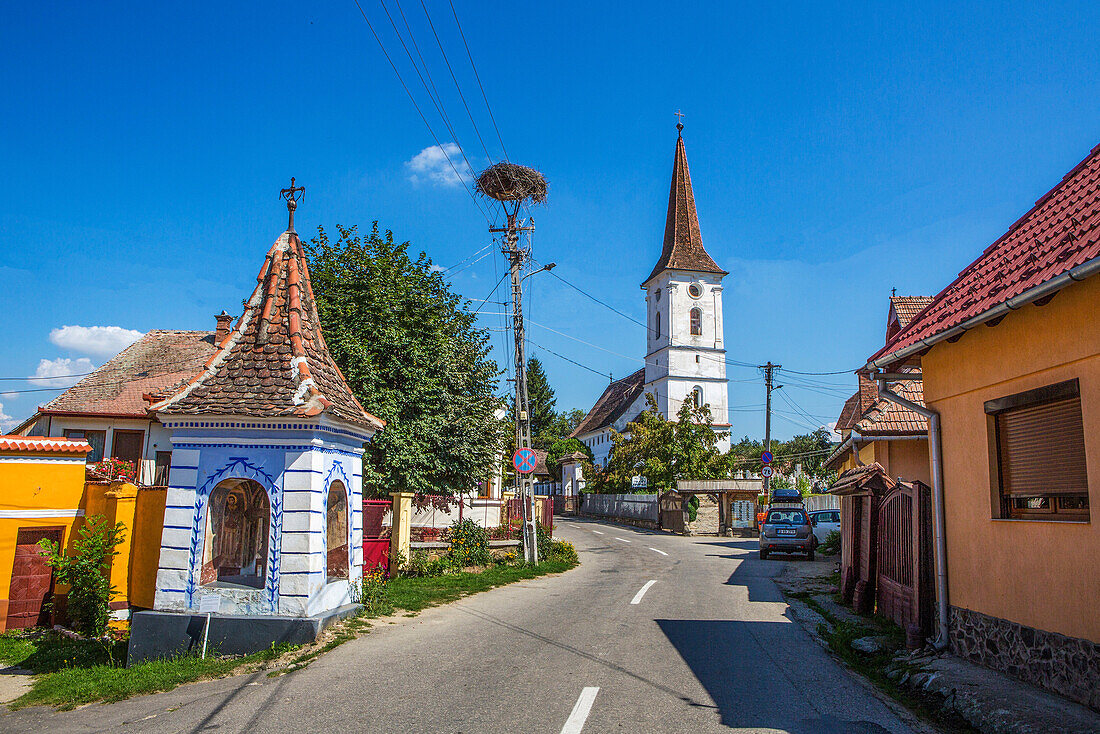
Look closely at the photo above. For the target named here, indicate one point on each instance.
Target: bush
(562, 551)
(90, 590)
(469, 544)
(373, 594)
(693, 507)
(831, 544)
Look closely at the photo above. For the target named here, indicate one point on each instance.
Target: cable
(419, 112)
(567, 359)
(478, 77)
(487, 297)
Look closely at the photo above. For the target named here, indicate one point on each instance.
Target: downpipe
(939, 539)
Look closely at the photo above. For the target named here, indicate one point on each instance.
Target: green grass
(416, 594)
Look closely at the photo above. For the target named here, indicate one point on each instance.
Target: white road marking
(659, 551)
(622, 539)
(575, 723)
(641, 592)
(598, 532)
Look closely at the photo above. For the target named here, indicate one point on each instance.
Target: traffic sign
(766, 458)
(524, 460)
(767, 472)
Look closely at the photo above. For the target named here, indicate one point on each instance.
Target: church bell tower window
(657, 325)
(696, 321)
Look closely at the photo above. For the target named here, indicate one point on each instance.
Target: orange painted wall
(905, 459)
(1041, 574)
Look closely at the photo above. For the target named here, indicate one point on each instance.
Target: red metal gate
(31, 579)
(544, 512)
(376, 545)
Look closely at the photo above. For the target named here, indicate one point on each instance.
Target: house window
(697, 396)
(127, 446)
(657, 325)
(337, 533)
(161, 468)
(1037, 450)
(96, 439)
(696, 322)
(237, 526)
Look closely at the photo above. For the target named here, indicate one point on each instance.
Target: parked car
(824, 522)
(786, 530)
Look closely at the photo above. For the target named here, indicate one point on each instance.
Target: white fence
(814, 502)
(630, 506)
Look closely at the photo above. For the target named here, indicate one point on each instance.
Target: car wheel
(810, 555)
(763, 555)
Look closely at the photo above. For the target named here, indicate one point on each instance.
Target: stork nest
(512, 182)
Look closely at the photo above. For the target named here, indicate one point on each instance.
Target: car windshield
(786, 517)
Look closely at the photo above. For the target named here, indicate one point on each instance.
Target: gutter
(1079, 273)
(939, 541)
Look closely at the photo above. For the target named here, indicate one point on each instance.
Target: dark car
(786, 530)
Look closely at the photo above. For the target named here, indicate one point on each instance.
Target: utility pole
(769, 370)
(517, 256)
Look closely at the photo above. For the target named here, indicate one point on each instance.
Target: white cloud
(56, 372)
(6, 421)
(436, 268)
(106, 341)
(430, 165)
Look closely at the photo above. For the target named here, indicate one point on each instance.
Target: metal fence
(629, 506)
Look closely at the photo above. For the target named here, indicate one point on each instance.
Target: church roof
(274, 363)
(906, 307)
(615, 400)
(683, 248)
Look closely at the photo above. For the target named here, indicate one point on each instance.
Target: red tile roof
(1060, 233)
(869, 476)
(157, 364)
(44, 445)
(886, 418)
(906, 307)
(274, 363)
(615, 400)
(683, 248)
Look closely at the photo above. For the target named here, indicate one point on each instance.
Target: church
(685, 354)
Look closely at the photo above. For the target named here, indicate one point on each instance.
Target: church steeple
(683, 247)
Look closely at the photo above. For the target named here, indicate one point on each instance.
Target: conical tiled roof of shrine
(274, 363)
(683, 248)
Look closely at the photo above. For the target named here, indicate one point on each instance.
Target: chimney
(224, 324)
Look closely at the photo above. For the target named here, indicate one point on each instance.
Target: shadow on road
(756, 576)
(731, 660)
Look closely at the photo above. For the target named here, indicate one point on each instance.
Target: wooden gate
(31, 579)
(904, 556)
(376, 547)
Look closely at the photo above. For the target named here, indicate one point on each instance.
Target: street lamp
(545, 268)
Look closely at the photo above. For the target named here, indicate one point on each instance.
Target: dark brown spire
(683, 249)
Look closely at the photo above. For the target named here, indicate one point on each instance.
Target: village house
(1009, 358)
(110, 407)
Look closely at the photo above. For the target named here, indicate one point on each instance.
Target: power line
(567, 359)
(478, 77)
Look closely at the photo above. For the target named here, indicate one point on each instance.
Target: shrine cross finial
(292, 195)
(679, 121)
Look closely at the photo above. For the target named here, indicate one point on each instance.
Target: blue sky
(837, 151)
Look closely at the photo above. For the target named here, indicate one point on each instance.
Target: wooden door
(31, 579)
(127, 446)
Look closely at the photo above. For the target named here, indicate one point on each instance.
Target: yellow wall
(29, 486)
(1042, 574)
(906, 459)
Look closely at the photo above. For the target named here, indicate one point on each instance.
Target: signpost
(524, 460)
(766, 457)
(208, 604)
(767, 472)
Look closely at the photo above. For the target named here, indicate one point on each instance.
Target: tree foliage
(411, 352)
(85, 572)
(563, 447)
(540, 398)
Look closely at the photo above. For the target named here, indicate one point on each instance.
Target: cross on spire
(292, 195)
(679, 121)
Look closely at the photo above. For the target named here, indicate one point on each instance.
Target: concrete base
(156, 635)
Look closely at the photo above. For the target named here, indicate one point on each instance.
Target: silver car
(786, 530)
(825, 522)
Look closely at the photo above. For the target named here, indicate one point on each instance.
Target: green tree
(563, 447)
(540, 398)
(664, 451)
(411, 352)
(810, 450)
(85, 572)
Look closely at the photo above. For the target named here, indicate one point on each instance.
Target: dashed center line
(659, 551)
(624, 540)
(641, 592)
(575, 723)
(598, 532)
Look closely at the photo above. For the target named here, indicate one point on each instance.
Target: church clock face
(695, 290)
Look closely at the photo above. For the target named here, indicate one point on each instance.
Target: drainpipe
(938, 539)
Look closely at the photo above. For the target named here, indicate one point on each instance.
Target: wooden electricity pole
(769, 370)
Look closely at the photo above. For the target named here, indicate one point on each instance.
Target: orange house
(1009, 358)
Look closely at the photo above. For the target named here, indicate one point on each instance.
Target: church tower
(685, 354)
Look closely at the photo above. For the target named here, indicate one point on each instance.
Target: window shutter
(1042, 449)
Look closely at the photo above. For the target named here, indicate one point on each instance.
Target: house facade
(1009, 357)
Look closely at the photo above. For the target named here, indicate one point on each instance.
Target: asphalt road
(707, 646)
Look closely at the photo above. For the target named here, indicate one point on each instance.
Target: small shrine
(263, 517)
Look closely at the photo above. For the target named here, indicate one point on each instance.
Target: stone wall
(1066, 665)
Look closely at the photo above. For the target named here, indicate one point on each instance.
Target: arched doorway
(337, 532)
(237, 527)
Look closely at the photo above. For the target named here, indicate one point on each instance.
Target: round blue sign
(525, 460)
(766, 457)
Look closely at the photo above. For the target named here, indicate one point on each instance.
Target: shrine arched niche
(238, 527)
(336, 536)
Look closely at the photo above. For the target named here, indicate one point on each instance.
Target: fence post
(401, 529)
